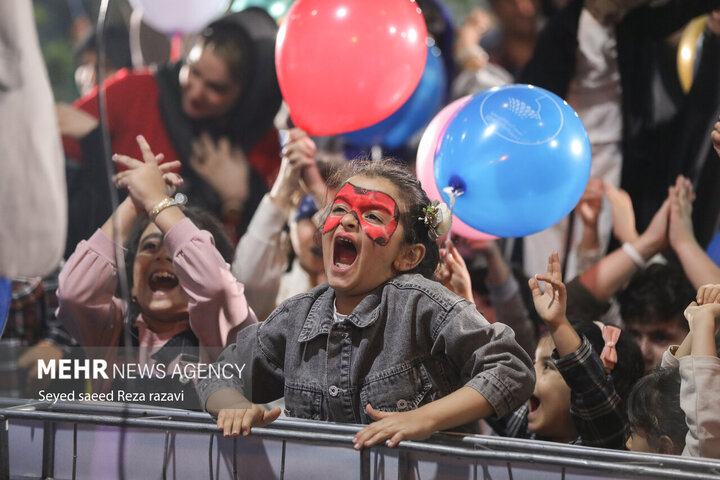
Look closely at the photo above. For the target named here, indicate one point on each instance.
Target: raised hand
(623, 214)
(298, 164)
(681, 196)
(551, 303)
(146, 181)
(453, 272)
(224, 167)
(715, 137)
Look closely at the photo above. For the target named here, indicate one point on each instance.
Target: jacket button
(402, 404)
(333, 390)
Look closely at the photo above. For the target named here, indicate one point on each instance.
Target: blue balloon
(415, 113)
(5, 297)
(520, 154)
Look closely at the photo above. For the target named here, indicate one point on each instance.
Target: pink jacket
(217, 306)
(699, 390)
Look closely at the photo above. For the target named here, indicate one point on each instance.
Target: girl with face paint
(381, 343)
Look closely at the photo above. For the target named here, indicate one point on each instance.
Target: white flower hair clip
(437, 218)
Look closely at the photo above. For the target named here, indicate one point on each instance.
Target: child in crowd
(183, 294)
(684, 412)
(580, 393)
(261, 257)
(382, 342)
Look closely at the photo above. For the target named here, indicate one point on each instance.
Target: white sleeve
(260, 257)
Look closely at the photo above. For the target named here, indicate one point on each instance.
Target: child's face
(155, 284)
(362, 236)
(549, 406)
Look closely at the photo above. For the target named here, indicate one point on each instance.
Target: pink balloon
(429, 144)
(343, 65)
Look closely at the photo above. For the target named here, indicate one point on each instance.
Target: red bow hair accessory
(609, 354)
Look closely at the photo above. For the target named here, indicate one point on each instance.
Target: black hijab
(247, 121)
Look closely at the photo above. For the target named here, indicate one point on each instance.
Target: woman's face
(155, 285)
(207, 89)
(362, 236)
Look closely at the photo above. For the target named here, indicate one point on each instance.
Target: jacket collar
(320, 318)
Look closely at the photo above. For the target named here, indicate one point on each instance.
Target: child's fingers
(167, 166)
(534, 287)
(270, 416)
(228, 422)
(397, 438)
(251, 418)
(379, 437)
(360, 438)
(377, 414)
(147, 152)
(129, 162)
(173, 179)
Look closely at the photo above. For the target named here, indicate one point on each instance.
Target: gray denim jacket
(408, 343)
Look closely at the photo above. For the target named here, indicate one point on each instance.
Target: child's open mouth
(162, 281)
(344, 252)
(533, 404)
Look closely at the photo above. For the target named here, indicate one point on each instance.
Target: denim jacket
(409, 342)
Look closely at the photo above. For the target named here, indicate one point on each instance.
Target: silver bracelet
(634, 255)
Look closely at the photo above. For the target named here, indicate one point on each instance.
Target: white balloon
(179, 16)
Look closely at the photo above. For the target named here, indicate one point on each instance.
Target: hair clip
(608, 356)
(436, 217)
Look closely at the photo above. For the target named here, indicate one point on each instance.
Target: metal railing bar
(410, 446)
(4, 449)
(445, 437)
(48, 448)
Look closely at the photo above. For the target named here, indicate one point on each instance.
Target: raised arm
(596, 408)
(261, 256)
(608, 275)
(698, 266)
(700, 376)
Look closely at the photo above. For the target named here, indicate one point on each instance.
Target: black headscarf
(246, 122)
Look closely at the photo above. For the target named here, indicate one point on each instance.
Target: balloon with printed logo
(520, 154)
(179, 16)
(429, 143)
(419, 109)
(343, 65)
(5, 298)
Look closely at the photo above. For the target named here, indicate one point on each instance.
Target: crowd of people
(334, 280)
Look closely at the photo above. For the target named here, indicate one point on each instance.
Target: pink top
(217, 306)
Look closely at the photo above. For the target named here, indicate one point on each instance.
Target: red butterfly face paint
(376, 212)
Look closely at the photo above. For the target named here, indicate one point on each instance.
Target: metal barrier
(76, 440)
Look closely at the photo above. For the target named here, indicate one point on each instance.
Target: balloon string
(453, 193)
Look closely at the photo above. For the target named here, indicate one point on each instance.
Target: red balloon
(344, 65)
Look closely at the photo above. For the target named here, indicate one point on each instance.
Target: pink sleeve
(86, 305)
(699, 390)
(217, 306)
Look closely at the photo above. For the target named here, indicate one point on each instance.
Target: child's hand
(146, 181)
(708, 294)
(298, 162)
(623, 214)
(232, 421)
(396, 426)
(453, 272)
(703, 320)
(551, 304)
